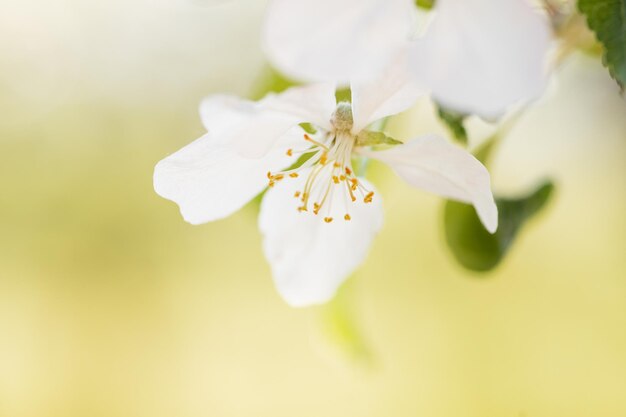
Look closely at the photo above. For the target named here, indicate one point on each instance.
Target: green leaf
(341, 327)
(454, 122)
(425, 4)
(607, 18)
(367, 138)
(270, 81)
(474, 247)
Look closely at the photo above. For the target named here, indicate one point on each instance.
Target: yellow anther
(278, 177)
(348, 171)
(289, 152)
(337, 165)
(271, 183)
(324, 159)
(297, 194)
(328, 219)
(316, 208)
(347, 217)
(342, 178)
(269, 175)
(335, 179)
(355, 184)
(302, 208)
(368, 198)
(294, 175)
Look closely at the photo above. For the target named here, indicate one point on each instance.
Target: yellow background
(111, 305)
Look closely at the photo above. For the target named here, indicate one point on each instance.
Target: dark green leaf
(454, 121)
(474, 247)
(607, 18)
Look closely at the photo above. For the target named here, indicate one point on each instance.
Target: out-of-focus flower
(317, 219)
(476, 56)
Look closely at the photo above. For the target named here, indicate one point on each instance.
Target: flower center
(329, 166)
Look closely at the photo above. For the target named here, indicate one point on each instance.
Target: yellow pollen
(368, 198)
(328, 219)
(269, 175)
(289, 152)
(342, 178)
(347, 217)
(303, 208)
(271, 183)
(297, 194)
(335, 179)
(278, 177)
(337, 165)
(294, 175)
(316, 208)
(324, 158)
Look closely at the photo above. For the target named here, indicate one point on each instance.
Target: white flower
(477, 56)
(319, 219)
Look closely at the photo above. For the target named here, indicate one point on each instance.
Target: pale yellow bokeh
(111, 305)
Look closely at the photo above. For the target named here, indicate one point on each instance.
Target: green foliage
(454, 122)
(340, 325)
(474, 247)
(425, 4)
(367, 138)
(607, 18)
(270, 81)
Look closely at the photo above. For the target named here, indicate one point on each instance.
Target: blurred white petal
(308, 257)
(391, 92)
(209, 180)
(432, 164)
(321, 40)
(482, 56)
(254, 127)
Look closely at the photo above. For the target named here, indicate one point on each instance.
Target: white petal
(313, 103)
(308, 257)
(434, 165)
(321, 40)
(392, 92)
(482, 56)
(254, 127)
(209, 180)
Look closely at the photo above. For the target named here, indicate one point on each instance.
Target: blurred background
(111, 305)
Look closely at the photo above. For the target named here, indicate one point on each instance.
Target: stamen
(309, 139)
(328, 165)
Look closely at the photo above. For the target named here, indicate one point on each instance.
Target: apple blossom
(476, 56)
(319, 218)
